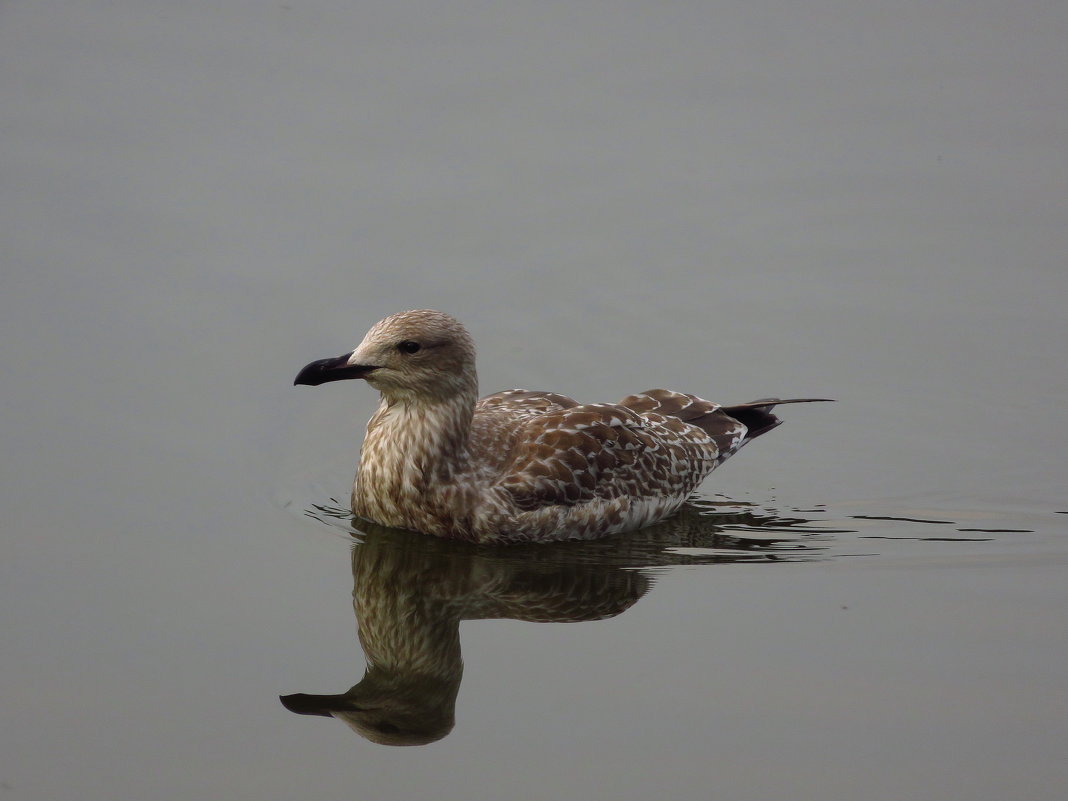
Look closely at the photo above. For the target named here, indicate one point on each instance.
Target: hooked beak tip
(326, 370)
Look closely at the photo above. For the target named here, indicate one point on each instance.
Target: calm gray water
(857, 200)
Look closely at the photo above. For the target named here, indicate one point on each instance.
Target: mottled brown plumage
(520, 465)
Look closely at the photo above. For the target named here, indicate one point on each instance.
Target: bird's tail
(756, 417)
(730, 426)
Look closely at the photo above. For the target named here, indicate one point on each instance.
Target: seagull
(520, 465)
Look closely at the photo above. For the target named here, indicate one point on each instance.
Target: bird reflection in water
(410, 593)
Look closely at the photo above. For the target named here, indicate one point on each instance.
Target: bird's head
(420, 354)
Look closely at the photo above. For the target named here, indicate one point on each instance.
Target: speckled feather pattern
(523, 465)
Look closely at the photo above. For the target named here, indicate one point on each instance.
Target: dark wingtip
(757, 417)
(769, 402)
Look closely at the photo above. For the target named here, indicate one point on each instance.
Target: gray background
(859, 200)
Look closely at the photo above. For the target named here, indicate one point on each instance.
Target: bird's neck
(412, 445)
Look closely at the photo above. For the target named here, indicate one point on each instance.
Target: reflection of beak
(324, 705)
(337, 369)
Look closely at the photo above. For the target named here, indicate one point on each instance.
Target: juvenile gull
(520, 465)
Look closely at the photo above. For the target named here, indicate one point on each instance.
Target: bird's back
(551, 451)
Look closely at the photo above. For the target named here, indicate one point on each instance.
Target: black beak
(337, 369)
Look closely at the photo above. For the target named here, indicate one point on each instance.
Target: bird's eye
(407, 346)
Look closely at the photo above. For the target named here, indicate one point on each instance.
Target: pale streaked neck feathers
(418, 438)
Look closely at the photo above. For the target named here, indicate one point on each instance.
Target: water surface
(739, 201)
